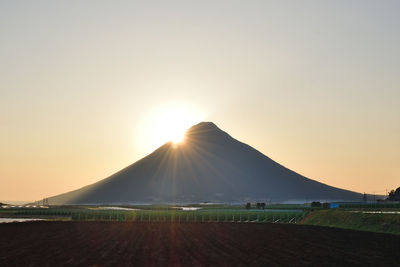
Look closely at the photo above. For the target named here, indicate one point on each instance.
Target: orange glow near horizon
(82, 98)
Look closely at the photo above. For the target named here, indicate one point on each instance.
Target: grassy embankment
(381, 223)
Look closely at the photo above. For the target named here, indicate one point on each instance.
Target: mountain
(209, 166)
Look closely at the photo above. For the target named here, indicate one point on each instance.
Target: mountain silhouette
(209, 166)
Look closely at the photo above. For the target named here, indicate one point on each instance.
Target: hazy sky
(312, 84)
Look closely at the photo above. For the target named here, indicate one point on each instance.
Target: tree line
(394, 195)
(259, 205)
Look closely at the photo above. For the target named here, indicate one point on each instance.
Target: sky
(86, 87)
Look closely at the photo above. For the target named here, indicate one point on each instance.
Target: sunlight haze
(89, 87)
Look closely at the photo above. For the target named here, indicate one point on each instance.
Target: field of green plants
(192, 216)
(159, 215)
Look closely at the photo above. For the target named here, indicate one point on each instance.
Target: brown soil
(194, 244)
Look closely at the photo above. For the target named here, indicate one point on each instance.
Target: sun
(168, 123)
(174, 130)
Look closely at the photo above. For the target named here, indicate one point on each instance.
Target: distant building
(334, 205)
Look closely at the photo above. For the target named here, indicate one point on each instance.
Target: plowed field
(191, 244)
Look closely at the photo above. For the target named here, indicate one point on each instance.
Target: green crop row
(179, 216)
(203, 215)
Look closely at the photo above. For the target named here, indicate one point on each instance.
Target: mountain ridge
(210, 165)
